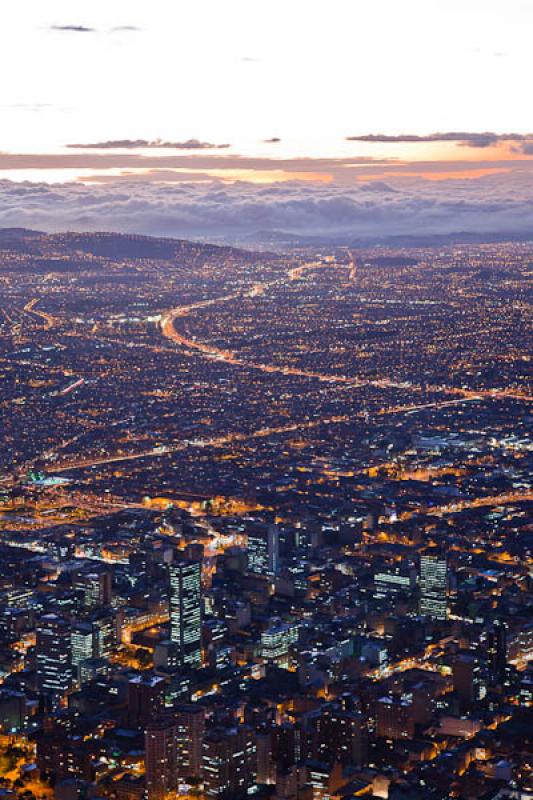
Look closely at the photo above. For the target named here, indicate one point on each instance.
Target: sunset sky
(356, 113)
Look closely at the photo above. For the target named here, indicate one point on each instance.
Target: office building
(185, 611)
(276, 642)
(160, 758)
(95, 588)
(394, 581)
(104, 624)
(53, 656)
(82, 647)
(469, 678)
(229, 762)
(497, 653)
(433, 586)
(263, 549)
(190, 729)
(146, 699)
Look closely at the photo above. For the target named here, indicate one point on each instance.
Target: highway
(210, 351)
(222, 441)
(218, 441)
(49, 321)
(508, 498)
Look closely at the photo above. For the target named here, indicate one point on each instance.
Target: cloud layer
(241, 211)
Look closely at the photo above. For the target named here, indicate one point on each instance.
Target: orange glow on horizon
(468, 174)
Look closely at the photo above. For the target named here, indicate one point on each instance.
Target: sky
(222, 118)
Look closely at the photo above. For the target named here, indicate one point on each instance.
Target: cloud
(73, 28)
(238, 211)
(273, 140)
(125, 29)
(485, 139)
(152, 144)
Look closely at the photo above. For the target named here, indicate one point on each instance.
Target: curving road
(48, 320)
(210, 351)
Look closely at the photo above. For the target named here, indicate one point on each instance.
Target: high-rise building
(395, 580)
(276, 642)
(469, 678)
(96, 588)
(433, 586)
(146, 699)
(394, 718)
(229, 762)
(266, 770)
(190, 728)
(263, 549)
(160, 758)
(13, 711)
(82, 647)
(346, 736)
(104, 624)
(497, 652)
(289, 744)
(95, 637)
(53, 656)
(186, 611)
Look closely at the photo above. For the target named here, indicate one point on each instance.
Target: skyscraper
(53, 656)
(146, 699)
(433, 586)
(229, 763)
(160, 758)
(104, 624)
(96, 588)
(190, 728)
(263, 549)
(469, 678)
(276, 642)
(82, 647)
(185, 611)
(497, 652)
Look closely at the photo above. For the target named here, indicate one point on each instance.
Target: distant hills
(69, 251)
(279, 239)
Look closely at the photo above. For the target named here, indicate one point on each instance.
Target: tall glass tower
(186, 611)
(263, 549)
(433, 586)
(53, 650)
